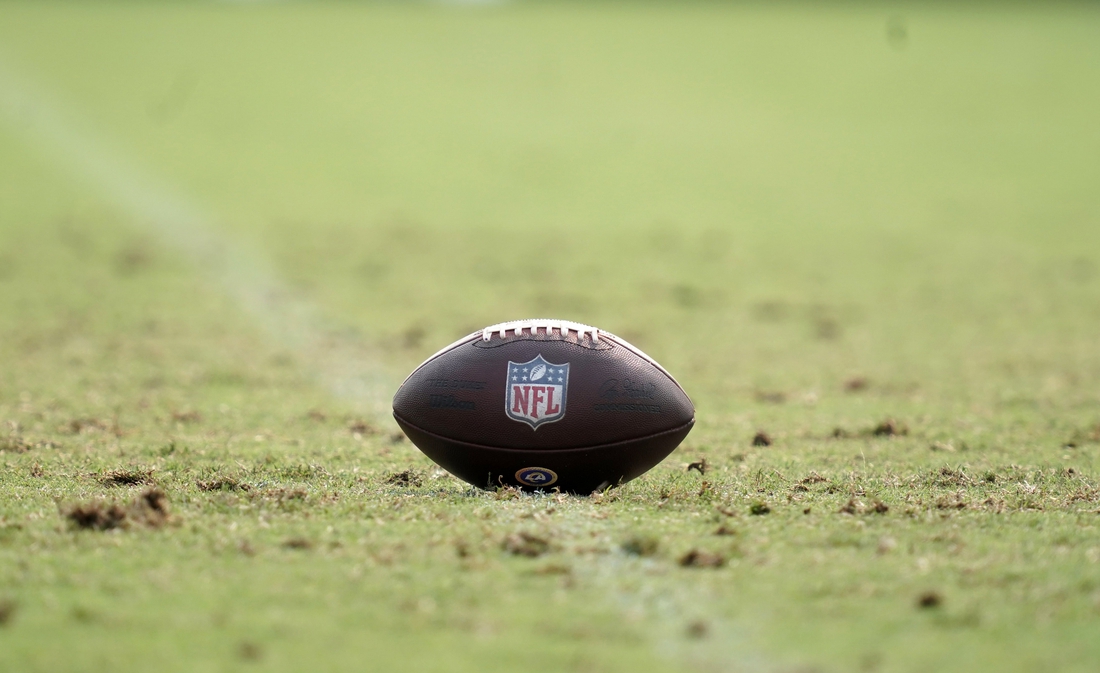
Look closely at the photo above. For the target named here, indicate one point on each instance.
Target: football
(543, 404)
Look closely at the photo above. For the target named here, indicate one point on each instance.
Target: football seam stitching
(579, 448)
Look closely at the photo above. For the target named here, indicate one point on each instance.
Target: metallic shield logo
(536, 476)
(536, 391)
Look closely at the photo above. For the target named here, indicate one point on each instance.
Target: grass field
(870, 231)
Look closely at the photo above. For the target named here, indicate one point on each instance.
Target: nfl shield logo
(536, 391)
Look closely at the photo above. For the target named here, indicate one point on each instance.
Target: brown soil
(953, 502)
(222, 484)
(7, 610)
(186, 416)
(462, 549)
(360, 427)
(526, 544)
(700, 558)
(929, 599)
(15, 444)
(150, 509)
(949, 477)
(856, 384)
(852, 507)
(249, 651)
(97, 516)
(698, 629)
(641, 546)
(890, 428)
(283, 494)
(771, 397)
(405, 478)
(78, 425)
(125, 477)
(761, 439)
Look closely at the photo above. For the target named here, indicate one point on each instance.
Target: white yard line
(665, 607)
(345, 368)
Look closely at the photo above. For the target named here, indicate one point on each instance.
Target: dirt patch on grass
(525, 544)
(190, 416)
(132, 477)
(554, 569)
(97, 516)
(698, 629)
(890, 428)
(150, 509)
(249, 651)
(856, 506)
(222, 484)
(761, 438)
(281, 497)
(299, 543)
(641, 545)
(15, 443)
(856, 384)
(853, 506)
(463, 549)
(948, 477)
(771, 396)
(759, 509)
(406, 478)
(954, 501)
(700, 558)
(1086, 436)
(929, 600)
(360, 427)
(7, 610)
(83, 425)
(826, 329)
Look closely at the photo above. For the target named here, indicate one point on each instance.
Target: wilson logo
(536, 391)
(449, 402)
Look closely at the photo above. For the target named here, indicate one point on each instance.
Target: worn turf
(865, 238)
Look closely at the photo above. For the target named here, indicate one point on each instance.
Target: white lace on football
(564, 327)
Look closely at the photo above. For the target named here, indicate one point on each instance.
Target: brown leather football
(543, 404)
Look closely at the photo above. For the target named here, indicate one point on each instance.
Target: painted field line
(665, 604)
(346, 368)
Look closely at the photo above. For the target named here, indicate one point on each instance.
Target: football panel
(597, 396)
(578, 471)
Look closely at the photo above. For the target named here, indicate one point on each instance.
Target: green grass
(771, 200)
